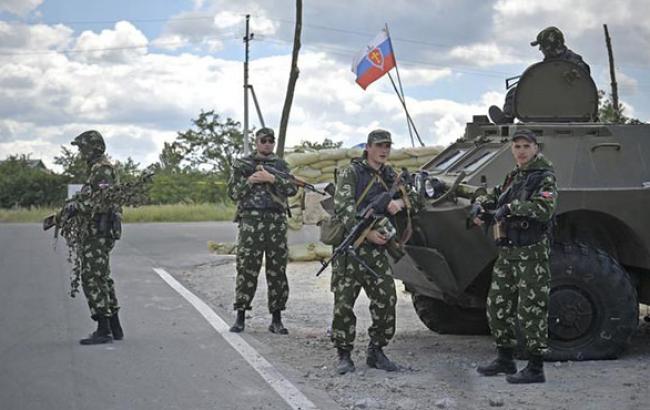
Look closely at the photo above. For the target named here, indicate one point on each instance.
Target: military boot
(532, 373)
(345, 364)
(101, 335)
(377, 359)
(276, 325)
(504, 363)
(116, 327)
(239, 322)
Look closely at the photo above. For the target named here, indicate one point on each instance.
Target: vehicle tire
(449, 319)
(593, 307)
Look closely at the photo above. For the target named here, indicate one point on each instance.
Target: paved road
(170, 359)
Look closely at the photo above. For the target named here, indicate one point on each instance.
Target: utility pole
(247, 38)
(612, 75)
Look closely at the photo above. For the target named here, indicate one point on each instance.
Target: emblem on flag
(374, 60)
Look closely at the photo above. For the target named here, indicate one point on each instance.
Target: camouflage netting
(318, 167)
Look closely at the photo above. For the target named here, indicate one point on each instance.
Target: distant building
(34, 163)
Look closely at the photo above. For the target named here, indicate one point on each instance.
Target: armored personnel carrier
(600, 259)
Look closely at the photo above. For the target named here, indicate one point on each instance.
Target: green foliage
(73, 165)
(22, 185)
(317, 146)
(186, 186)
(210, 143)
(147, 213)
(127, 171)
(607, 113)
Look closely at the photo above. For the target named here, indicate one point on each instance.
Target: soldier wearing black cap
(523, 210)
(551, 44)
(357, 186)
(262, 216)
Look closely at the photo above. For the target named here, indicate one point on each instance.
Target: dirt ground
(438, 371)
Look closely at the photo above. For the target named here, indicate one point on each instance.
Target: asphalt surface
(170, 358)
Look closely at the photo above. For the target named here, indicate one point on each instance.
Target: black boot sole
(278, 329)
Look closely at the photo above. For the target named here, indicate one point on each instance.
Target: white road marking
(279, 383)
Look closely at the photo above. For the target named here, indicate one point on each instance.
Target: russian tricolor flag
(375, 60)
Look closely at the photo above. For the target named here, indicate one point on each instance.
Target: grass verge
(148, 213)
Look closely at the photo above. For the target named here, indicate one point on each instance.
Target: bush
(23, 185)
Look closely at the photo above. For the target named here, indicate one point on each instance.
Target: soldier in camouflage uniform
(519, 292)
(551, 44)
(370, 175)
(98, 239)
(262, 216)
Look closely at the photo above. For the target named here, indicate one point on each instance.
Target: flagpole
(409, 120)
(408, 116)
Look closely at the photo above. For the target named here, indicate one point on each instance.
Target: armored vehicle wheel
(593, 309)
(449, 319)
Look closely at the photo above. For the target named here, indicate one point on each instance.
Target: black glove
(502, 213)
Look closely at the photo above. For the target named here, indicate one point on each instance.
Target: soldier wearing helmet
(551, 44)
(99, 232)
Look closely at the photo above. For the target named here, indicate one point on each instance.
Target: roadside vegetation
(146, 213)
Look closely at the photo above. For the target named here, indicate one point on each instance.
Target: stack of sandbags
(302, 252)
(319, 167)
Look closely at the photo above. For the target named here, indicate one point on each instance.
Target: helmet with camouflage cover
(90, 143)
(550, 41)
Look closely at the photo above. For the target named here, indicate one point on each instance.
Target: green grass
(149, 213)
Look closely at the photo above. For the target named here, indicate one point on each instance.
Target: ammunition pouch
(332, 231)
(523, 231)
(109, 224)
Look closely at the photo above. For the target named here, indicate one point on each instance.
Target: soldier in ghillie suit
(90, 223)
(262, 216)
(524, 206)
(551, 44)
(357, 186)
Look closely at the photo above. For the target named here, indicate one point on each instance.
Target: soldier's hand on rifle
(376, 237)
(502, 213)
(475, 213)
(261, 176)
(394, 206)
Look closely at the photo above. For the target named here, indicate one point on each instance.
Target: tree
(126, 171)
(607, 113)
(22, 185)
(171, 157)
(210, 143)
(74, 167)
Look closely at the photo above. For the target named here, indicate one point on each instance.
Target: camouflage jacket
(349, 189)
(254, 199)
(569, 55)
(100, 177)
(534, 198)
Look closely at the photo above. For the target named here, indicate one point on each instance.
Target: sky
(140, 71)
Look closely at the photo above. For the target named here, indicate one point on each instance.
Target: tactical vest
(364, 174)
(263, 197)
(521, 230)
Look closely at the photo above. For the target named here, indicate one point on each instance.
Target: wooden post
(293, 78)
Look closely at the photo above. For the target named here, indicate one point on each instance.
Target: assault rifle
(369, 216)
(282, 174)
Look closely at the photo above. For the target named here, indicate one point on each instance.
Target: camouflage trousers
(348, 278)
(96, 278)
(519, 292)
(262, 236)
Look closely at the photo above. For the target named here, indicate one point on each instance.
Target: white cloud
(122, 44)
(19, 7)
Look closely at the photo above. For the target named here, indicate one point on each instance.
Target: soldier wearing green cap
(357, 185)
(551, 44)
(523, 210)
(262, 217)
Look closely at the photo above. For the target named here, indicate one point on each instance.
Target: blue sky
(140, 71)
